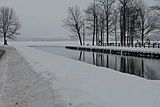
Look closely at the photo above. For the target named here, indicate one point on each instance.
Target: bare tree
(147, 21)
(74, 21)
(9, 24)
(91, 14)
(107, 6)
(115, 23)
(156, 9)
(102, 26)
(123, 20)
(131, 21)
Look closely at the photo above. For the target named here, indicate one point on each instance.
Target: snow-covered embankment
(84, 85)
(20, 86)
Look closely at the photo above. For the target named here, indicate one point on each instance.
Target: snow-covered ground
(21, 86)
(78, 84)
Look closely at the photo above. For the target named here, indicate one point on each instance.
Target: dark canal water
(142, 67)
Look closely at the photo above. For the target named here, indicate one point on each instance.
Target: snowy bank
(83, 85)
(20, 86)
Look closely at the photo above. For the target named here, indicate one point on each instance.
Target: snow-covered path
(83, 85)
(20, 86)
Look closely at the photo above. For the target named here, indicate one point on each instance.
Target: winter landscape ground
(121, 36)
(33, 78)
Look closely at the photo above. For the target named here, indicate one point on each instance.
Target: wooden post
(148, 45)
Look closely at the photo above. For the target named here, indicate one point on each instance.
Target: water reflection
(142, 67)
(134, 66)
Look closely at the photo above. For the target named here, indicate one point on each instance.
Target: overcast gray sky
(43, 18)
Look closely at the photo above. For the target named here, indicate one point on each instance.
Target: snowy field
(56, 81)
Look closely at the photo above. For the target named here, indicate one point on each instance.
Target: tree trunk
(94, 30)
(107, 32)
(132, 40)
(107, 27)
(124, 25)
(79, 35)
(5, 40)
(116, 35)
(97, 37)
(142, 40)
(142, 37)
(121, 28)
(93, 37)
(80, 40)
(101, 37)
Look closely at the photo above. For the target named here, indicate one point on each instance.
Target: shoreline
(85, 85)
(34, 78)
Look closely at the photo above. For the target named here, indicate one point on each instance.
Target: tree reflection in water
(134, 66)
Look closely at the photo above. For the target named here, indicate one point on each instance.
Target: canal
(142, 67)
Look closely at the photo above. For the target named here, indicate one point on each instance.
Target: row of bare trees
(125, 20)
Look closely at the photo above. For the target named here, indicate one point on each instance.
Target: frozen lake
(142, 67)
